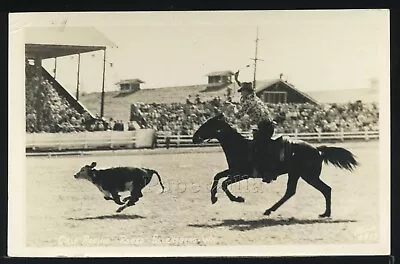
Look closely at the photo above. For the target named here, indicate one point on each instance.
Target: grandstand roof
(220, 73)
(345, 96)
(51, 42)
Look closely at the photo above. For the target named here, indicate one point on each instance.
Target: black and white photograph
(199, 133)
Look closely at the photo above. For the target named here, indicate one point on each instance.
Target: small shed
(220, 77)
(130, 85)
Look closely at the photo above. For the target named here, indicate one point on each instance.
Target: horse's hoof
(239, 199)
(119, 210)
(267, 212)
(213, 199)
(325, 215)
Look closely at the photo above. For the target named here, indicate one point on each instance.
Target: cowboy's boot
(272, 173)
(278, 155)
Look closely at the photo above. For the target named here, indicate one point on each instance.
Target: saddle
(278, 151)
(283, 145)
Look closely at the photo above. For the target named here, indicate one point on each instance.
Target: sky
(315, 50)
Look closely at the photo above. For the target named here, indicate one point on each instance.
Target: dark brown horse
(300, 160)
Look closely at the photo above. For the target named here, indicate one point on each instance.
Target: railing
(83, 140)
(65, 93)
(127, 139)
(186, 140)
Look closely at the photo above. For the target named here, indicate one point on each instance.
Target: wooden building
(130, 85)
(279, 91)
(220, 77)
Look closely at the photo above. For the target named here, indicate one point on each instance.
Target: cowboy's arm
(236, 78)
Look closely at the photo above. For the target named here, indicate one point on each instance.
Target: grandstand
(118, 107)
(178, 110)
(49, 106)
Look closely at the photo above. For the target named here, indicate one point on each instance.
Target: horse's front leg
(228, 182)
(214, 186)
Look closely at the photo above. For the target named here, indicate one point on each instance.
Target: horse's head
(212, 128)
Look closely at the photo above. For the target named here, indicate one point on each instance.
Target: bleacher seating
(49, 111)
(186, 118)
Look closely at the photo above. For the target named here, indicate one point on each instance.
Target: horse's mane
(232, 129)
(222, 118)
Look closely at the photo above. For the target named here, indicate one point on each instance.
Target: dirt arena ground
(63, 211)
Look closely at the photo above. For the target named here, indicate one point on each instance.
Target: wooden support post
(102, 88)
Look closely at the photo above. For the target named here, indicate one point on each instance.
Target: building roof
(130, 81)
(265, 85)
(51, 42)
(220, 73)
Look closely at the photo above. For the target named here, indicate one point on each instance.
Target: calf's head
(86, 172)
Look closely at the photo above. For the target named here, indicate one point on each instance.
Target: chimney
(280, 76)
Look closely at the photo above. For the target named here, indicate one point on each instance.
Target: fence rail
(186, 140)
(86, 140)
(127, 139)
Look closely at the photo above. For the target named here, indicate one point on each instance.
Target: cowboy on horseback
(260, 116)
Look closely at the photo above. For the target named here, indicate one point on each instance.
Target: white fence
(186, 140)
(127, 139)
(82, 140)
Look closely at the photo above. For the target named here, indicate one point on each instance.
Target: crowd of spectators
(185, 118)
(46, 111)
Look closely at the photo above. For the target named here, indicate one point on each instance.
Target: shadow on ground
(114, 216)
(244, 225)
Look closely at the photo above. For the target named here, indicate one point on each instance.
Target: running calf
(120, 179)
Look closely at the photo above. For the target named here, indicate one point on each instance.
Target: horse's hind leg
(228, 182)
(290, 191)
(214, 186)
(318, 184)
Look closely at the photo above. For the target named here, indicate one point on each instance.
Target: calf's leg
(116, 198)
(135, 195)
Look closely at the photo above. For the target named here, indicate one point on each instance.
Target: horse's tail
(159, 179)
(339, 157)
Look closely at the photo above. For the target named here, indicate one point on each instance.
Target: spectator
(198, 101)
(188, 100)
(184, 118)
(47, 111)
